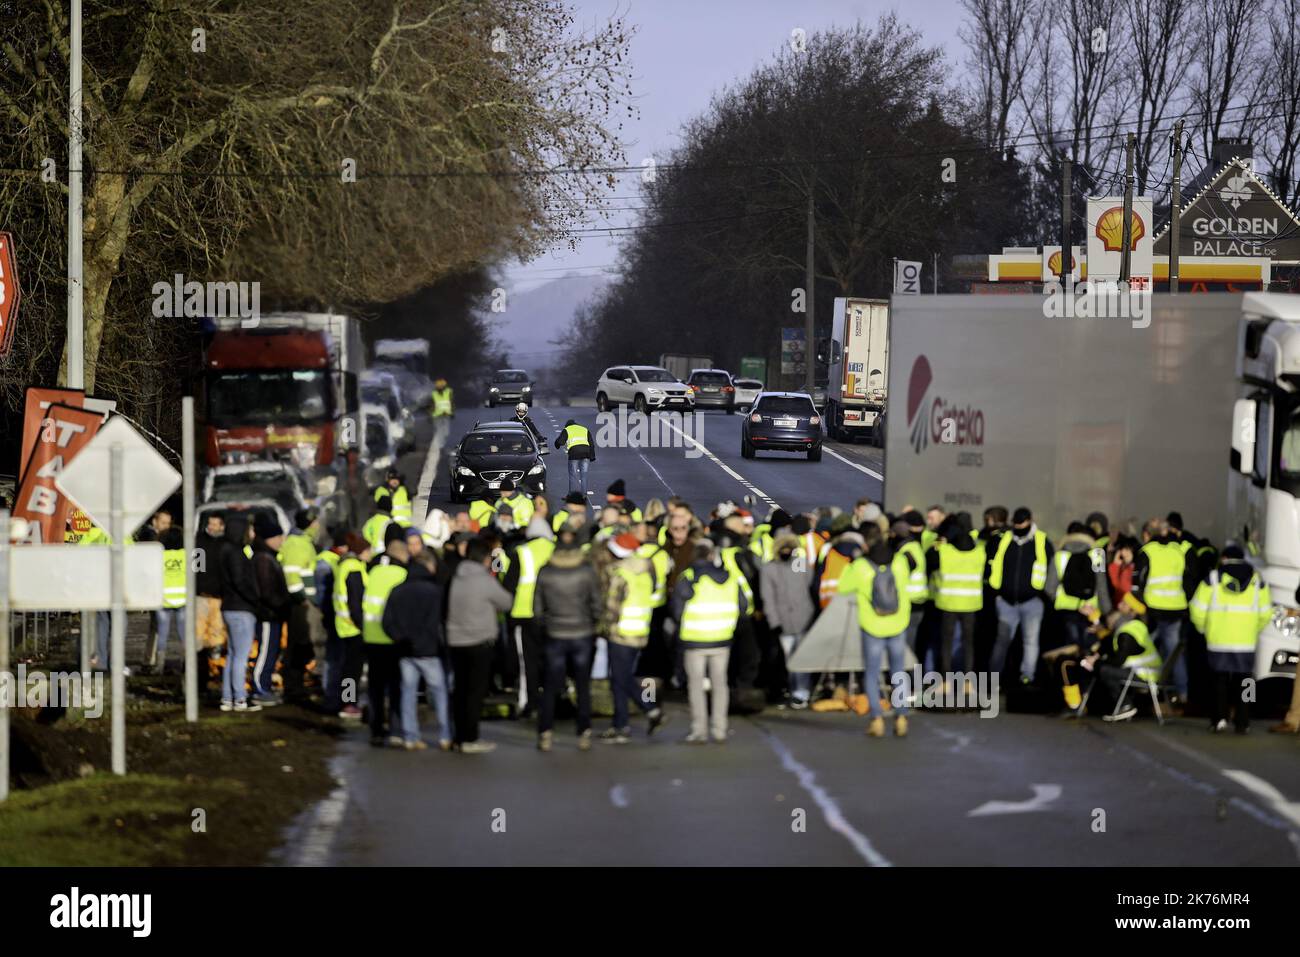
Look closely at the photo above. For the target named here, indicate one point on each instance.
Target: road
(804, 788)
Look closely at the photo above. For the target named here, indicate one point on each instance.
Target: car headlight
(494, 389)
(528, 388)
(655, 391)
(1286, 621)
(464, 471)
(537, 469)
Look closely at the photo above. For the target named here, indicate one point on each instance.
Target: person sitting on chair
(1126, 655)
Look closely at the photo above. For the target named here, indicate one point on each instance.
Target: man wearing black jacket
(274, 605)
(239, 606)
(413, 619)
(1018, 572)
(209, 631)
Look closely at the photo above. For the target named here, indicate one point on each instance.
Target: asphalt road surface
(805, 788)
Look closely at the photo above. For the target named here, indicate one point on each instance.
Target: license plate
(785, 423)
(494, 484)
(710, 390)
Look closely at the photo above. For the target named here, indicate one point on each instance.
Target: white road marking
(1275, 798)
(657, 475)
(1044, 794)
(724, 466)
(420, 507)
(830, 810)
(849, 462)
(618, 797)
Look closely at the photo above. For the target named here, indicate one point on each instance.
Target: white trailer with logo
(857, 368)
(1194, 407)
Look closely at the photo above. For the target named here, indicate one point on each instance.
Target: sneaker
(351, 713)
(227, 706)
(247, 707)
(477, 747)
(1024, 682)
(616, 735)
(1126, 715)
(584, 740)
(718, 738)
(876, 728)
(658, 718)
(694, 738)
(444, 744)
(396, 741)
(415, 746)
(798, 704)
(1220, 726)
(545, 740)
(900, 726)
(267, 700)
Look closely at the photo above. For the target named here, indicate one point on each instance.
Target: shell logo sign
(1110, 230)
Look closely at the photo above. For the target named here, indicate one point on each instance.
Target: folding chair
(1150, 686)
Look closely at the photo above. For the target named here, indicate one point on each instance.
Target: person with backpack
(1077, 582)
(1018, 574)
(878, 581)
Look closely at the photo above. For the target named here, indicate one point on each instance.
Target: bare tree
(1002, 38)
(1222, 81)
(1282, 139)
(1162, 37)
(1094, 39)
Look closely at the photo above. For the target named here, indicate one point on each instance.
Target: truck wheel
(815, 454)
(602, 402)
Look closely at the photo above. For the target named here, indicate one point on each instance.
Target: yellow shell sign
(1110, 230)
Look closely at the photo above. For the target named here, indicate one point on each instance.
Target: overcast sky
(685, 50)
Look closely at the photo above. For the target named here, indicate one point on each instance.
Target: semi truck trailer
(1194, 407)
(857, 368)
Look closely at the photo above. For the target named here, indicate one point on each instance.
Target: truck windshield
(269, 397)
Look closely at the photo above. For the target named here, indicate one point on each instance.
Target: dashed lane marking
(724, 466)
(657, 475)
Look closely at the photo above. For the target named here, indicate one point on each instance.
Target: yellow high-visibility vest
(1166, 563)
(859, 582)
(1147, 663)
(959, 583)
(344, 626)
(918, 587)
(711, 613)
(1231, 620)
(174, 578)
(634, 616)
(1037, 574)
(663, 567)
(442, 402)
(531, 555)
(380, 582)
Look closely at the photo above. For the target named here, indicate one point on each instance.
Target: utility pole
(76, 367)
(1125, 254)
(1175, 201)
(810, 326)
(1067, 247)
(936, 274)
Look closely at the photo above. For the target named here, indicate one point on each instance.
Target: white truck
(408, 360)
(1193, 408)
(857, 368)
(681, 365)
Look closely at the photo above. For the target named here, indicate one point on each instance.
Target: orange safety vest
(829, 583)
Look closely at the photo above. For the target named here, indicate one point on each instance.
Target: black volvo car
(782, 422)
(494, 451)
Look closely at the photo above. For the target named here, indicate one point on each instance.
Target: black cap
(1175, 520)
(800, 525)
(1234, 551)
(507, 485)
(265, 526)
(394, 533)
(914, 519)
(616, 488)
(1021, 515)
(574, 498)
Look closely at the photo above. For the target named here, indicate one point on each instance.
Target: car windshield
(782, 405)
(748, 384)
(299, 396)
(654, 375)
(512, 377)
(497, 443)
(238, 483)
(710, 378)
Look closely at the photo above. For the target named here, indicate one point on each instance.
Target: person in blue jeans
(577, 440)
(239, 604)
(1019, 571)
(883, 627)
(413, 619)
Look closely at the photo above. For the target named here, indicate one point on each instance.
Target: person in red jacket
(1120, 569)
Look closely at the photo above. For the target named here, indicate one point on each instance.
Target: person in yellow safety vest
(574, 505)
(514, 503)
(298, 559)
(878, 581)
(384, 573)
(935, 516)
(956, 569)
(173, 610)
(1128, 652)
(616, 494)
(377, 525)
(1078, 583)
(1162, 580)
(1099, 525)
(835, 559)
(399, 499)
(706, 605)
(348, 602)
(1230, 607)
(520, 579)
(103, 623)
(809, 541)
(443, 410)
(657, 660)
(629, 608)
(907, 542)
(1018, 574)
(582, 452)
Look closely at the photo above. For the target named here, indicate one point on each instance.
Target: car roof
(656, 368)
(499, 371)
(719, 371)
(786, 395)
(758, 382)
(502, 424)
(262, 465)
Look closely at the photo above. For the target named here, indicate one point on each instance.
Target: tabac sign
(1236, 214)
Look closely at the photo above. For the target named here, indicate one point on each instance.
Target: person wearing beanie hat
(273, 607)
(1022, 575)
(527, 560)
(616, 494)
(809, 540)
(1230, 607)
(575, 505)
(629, 607)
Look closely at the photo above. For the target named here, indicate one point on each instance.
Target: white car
(645, 388)
(747, 391)
(249, 508)
(381, 388)
(248, 481)
(378, 451)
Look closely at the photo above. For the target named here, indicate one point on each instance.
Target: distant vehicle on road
(408, 361)
(680, 366)
(509, 386)
(782, 422)
(857, 368)
(381, 388)
(273, 481)
(379, 452)
(712, 389)
(492, 452)
(645, 388)
(747, 391)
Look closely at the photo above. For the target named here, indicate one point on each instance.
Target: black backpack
(1079, 580)
(884, 591)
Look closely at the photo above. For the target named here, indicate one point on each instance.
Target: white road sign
(907, 278)
(80, 577)
(147, 477)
